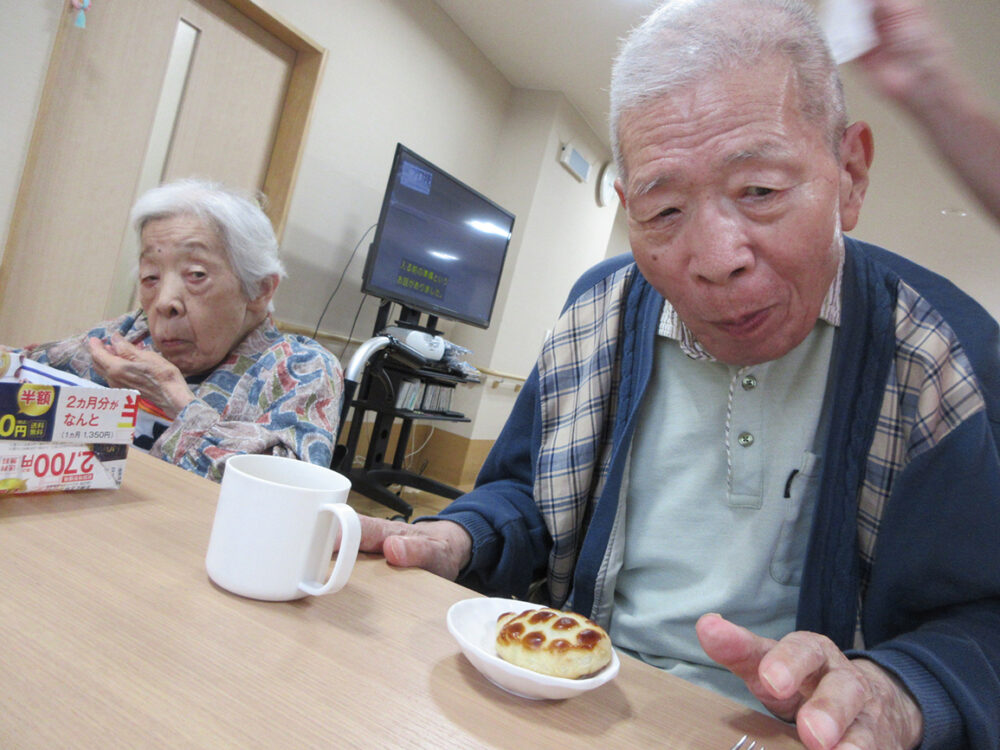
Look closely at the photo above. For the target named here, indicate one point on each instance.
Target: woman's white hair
(684, 41)
(246, 232)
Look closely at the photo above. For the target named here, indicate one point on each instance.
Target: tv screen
(440, 246)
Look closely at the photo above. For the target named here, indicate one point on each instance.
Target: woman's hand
(126, 366)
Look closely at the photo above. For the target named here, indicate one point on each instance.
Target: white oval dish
(472, 622)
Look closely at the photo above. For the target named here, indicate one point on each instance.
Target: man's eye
(668, 212)
(149, 279)
(755, 191)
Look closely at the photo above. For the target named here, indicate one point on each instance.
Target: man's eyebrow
(762, 151)
(765, 150)
(654, 184)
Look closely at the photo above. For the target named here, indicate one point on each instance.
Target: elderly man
(216, 378)
(755, 417)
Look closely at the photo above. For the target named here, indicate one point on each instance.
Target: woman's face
(194, 301)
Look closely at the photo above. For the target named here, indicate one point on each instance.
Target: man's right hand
(442, 547)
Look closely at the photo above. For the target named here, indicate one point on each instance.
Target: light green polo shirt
(718, 497)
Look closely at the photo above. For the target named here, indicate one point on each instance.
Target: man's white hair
(685, 41)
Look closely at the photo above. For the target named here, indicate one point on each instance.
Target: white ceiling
(553, 45)
(568, 45)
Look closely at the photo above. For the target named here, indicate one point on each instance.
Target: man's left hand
(835, 702)
(126, 366)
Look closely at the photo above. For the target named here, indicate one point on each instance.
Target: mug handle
(350, 540)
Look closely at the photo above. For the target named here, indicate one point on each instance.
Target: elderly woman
(213, 371)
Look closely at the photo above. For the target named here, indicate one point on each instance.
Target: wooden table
(112, 636)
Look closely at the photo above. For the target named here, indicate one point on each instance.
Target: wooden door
(240, 118)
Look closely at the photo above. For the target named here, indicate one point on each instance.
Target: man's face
(194, 301)
(735, 203)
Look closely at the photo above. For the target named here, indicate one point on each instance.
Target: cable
(353, 323)
(411, 454)
(359, 460)
(341, 279)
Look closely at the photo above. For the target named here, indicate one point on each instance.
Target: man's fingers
(798, 662)
(402, 544)
(773, 671)
(857, 704)
(732, 646)
(835, 702)
(834, 708)
(412, 552)
(441, 547)
(374, 532)
(439, 554)
(820, 731)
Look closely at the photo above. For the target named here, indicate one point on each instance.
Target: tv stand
(390, 370)
(408, 318)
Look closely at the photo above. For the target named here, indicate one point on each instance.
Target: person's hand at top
(913, 66)
(834, 701)
(913, 59)
(441, 547)
(123, 365)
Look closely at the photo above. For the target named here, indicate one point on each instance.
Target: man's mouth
(746, 325)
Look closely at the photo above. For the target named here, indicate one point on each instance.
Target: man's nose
(721, 248)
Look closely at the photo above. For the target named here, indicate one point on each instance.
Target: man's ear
(268, 286)
(857, 149)
(620, 189)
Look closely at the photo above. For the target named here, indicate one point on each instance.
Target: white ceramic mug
(275, 526)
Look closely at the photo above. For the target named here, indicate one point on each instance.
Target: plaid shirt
(930, 389)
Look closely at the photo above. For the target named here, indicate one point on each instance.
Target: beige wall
(400, 70)
(27, 33)
(563, 233)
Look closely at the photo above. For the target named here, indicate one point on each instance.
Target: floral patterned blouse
(273, 393)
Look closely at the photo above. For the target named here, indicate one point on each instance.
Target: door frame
(296, 112)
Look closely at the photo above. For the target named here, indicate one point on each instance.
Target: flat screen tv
(439, 246)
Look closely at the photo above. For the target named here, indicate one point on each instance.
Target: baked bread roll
(560, 644)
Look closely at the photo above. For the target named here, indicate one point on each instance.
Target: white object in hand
(849, 28)
(275, 526)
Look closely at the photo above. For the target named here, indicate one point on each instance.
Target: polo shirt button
(745, 439)
(749, 382)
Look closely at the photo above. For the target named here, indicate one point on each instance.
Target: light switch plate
(575, 162)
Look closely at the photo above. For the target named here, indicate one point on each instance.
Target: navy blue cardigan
(931, 611)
